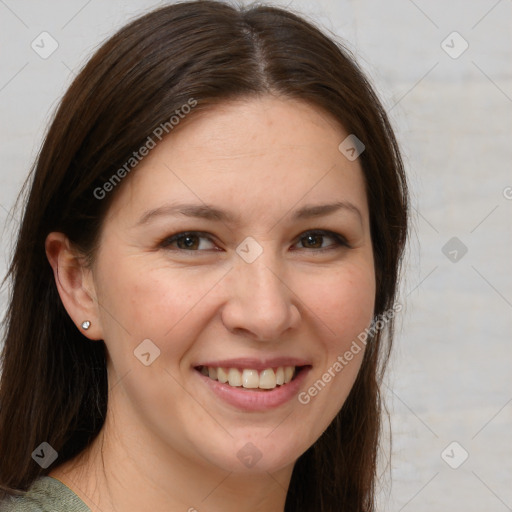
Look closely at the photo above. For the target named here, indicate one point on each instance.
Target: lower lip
(248, 400)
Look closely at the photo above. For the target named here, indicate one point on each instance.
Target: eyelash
(339, 240)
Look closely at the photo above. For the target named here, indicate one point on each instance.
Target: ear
(74, 283)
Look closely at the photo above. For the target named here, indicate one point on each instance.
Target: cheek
(351, 310)
(343, 300)
(343, 305)
(141, 301)
(167, 306)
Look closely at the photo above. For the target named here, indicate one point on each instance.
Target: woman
(203, 287)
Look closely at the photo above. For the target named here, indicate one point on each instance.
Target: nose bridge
(261, 276)
(259, 300)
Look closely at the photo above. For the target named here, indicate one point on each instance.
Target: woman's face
(238, 249)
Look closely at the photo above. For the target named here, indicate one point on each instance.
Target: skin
(168, 442)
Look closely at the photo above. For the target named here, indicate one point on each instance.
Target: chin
(255, 454)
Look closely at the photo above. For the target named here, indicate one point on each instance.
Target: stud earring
(86, 325)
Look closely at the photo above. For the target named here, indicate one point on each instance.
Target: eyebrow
(208, 212)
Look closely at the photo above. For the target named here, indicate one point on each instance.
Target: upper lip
(254, 364)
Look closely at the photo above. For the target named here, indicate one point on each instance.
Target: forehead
(256, 157)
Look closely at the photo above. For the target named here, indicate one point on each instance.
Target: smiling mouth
(250, 379)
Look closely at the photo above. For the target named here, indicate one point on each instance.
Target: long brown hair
(53, 386)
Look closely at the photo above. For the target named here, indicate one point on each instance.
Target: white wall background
(450, 376)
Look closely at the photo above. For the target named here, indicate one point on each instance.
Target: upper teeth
(251, 379)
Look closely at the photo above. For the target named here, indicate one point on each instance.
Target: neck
(124, 472)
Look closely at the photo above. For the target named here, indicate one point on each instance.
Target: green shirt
(46, 494)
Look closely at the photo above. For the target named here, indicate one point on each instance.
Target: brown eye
(321, 240)
(193, 241)
(312, 241)
(188, 242)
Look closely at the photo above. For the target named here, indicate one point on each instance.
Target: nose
(261, 304)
